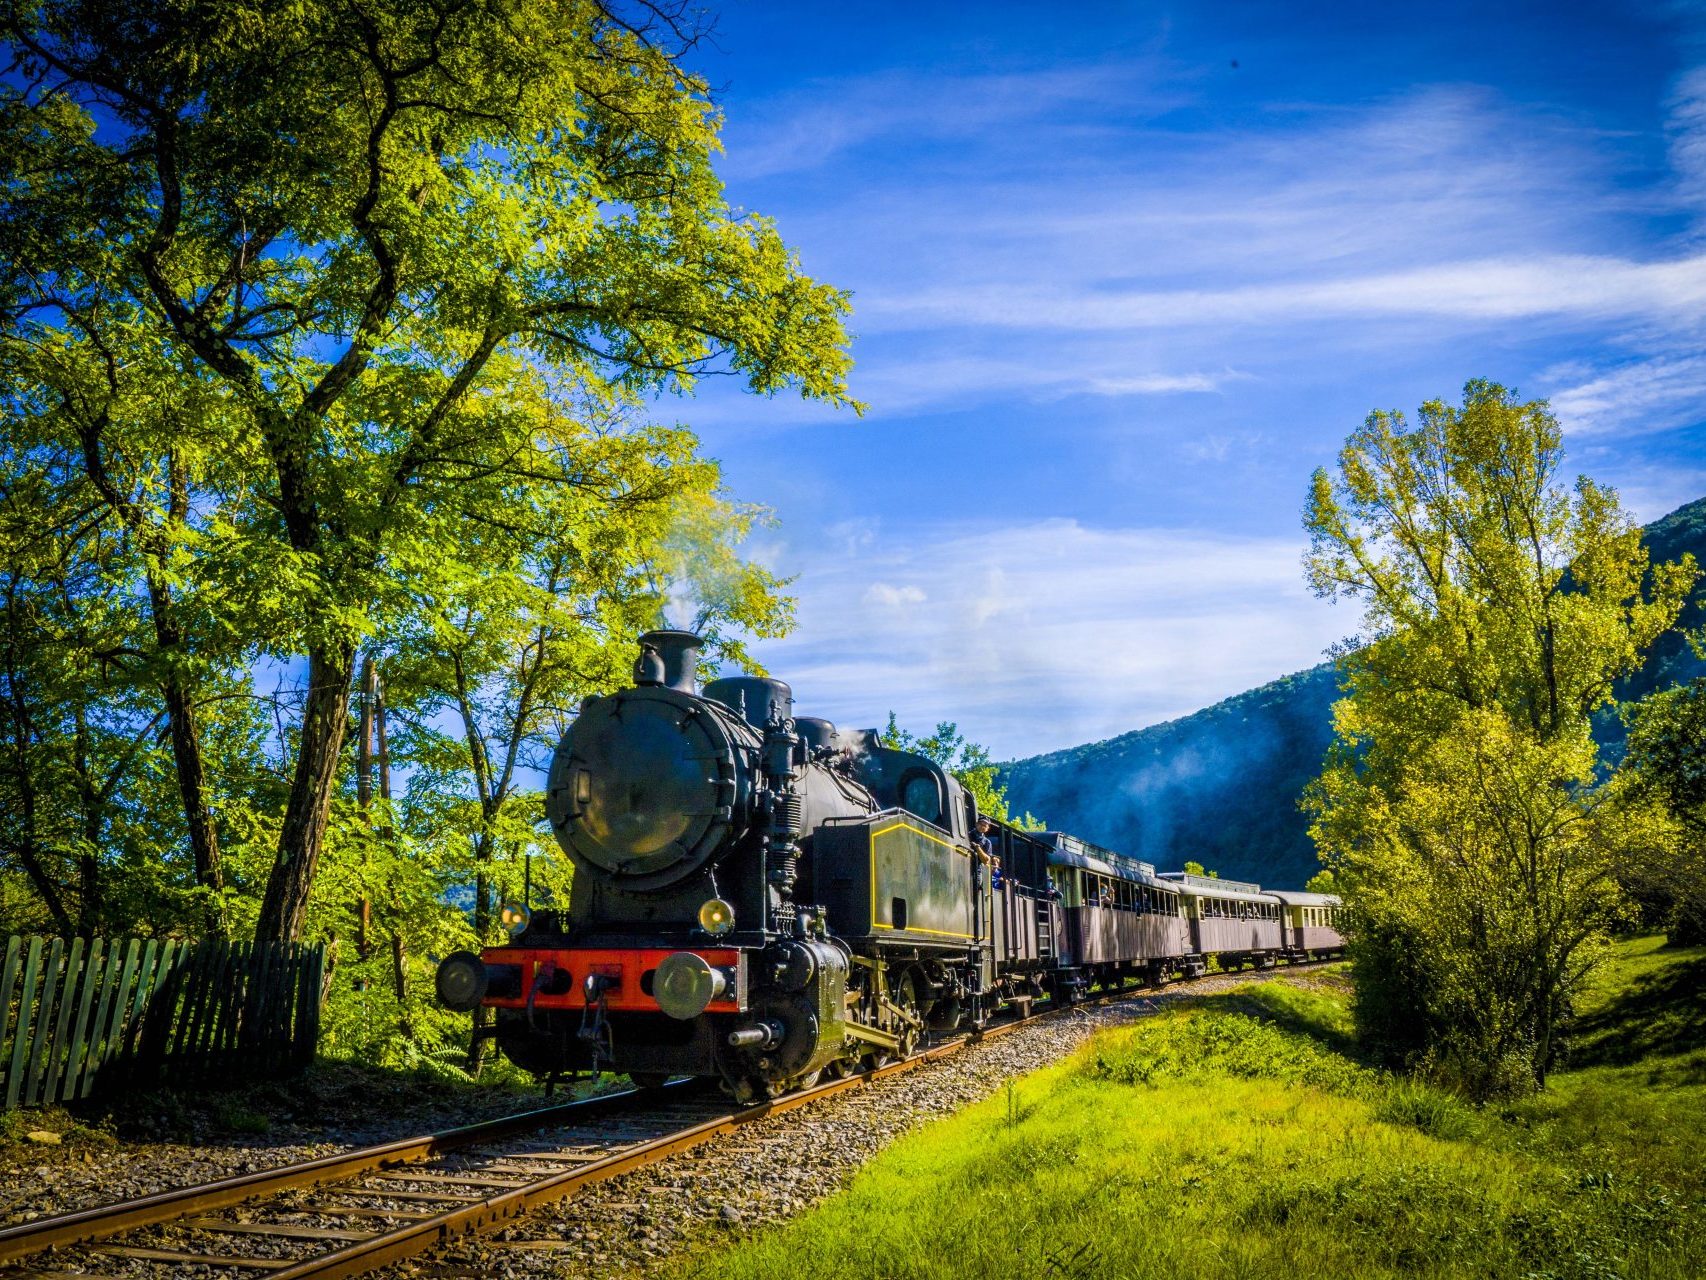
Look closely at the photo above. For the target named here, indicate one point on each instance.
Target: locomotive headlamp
(513, 916)
(716, 917)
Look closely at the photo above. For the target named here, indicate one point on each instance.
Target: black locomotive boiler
(764, 898)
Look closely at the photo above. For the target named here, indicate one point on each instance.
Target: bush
(1429, 1110)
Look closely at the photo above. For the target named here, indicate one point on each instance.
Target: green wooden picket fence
(84, 1017)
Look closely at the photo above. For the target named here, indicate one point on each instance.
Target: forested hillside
(1221, 786)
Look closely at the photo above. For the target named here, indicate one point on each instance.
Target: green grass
(1237, 1136)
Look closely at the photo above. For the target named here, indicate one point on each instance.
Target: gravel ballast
(776, 1167)
(766, 1172)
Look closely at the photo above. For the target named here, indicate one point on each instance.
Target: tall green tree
(93, 817)
(1460, 808)
(1666, 765)
(310, 285)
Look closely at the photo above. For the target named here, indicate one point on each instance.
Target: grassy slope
(1235, 1138)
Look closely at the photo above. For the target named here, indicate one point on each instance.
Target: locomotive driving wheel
(909, 999)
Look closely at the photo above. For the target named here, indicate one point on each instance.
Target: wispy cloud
(1638, 396)
(1189, 250)
(1581, 286)
(1687, 133)
(1048, 633)
(1145, 384)
(901, 381)
(1100, 289)
(807, 128)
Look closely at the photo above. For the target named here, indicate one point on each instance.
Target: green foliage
(1217, 1160)
(1323, 881)
(1460, 807)
(313, 312)
(967, 761)
(1666, 765)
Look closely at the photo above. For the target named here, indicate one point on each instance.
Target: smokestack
(669, 658)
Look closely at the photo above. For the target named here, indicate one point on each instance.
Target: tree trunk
(168, 636)
(482, 925)
(91, 898)
(28, 857)
(364, 797)
(192, 790)
(325, 720)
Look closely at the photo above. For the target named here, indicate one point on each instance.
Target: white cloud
(1153, 384)
(897, 382)
(882, 593)
(1635, 396)
(805, 130)
(1687, 129)
(1494, 289)
(1049, 234)
(1046, 634)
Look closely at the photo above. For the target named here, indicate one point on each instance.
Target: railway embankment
(1236, 1135)
(55, 1159)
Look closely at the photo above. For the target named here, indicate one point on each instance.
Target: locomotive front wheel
(649, 1080)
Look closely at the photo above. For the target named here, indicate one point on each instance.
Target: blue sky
(1123, 275)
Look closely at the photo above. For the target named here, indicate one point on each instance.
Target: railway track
(351, 1213)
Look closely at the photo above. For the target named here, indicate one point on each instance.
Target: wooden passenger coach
(1310, 923)
(1120, 916)
(1229, 918)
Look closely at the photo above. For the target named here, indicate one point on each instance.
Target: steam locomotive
(765, 899)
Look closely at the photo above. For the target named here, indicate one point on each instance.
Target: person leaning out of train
(986, 846)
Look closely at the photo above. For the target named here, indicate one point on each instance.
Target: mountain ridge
(1221, 785)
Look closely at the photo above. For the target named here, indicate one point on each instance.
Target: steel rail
(484, 1215)
(429, 1232)
(85, 1225)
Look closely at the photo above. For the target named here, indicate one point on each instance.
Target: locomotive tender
(764, 898)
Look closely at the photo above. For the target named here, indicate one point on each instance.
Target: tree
(1322, 881)
(87, 765)
(314, 287)
(1460, 807)
(967, 761)
(1666, 765)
